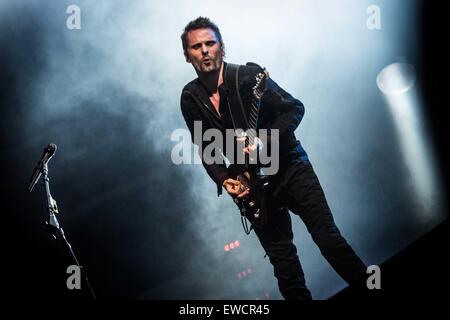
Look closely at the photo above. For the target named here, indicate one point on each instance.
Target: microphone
(49, 151)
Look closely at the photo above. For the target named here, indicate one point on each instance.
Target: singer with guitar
(210, 98)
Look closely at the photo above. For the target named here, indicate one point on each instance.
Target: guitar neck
(252, 122)
(258, 91)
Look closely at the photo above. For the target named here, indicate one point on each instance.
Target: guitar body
(252, 206)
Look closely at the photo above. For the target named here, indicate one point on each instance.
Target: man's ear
(187, 59)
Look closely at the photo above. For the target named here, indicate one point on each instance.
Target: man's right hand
(235, 188)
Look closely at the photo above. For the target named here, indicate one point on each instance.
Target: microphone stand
(55, 229)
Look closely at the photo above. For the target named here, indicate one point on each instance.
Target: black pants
(299, 190)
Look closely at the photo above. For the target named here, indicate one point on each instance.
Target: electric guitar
(253, 205)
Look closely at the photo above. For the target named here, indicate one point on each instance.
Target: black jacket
(278, 110)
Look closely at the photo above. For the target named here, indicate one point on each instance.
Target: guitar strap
(235, 105)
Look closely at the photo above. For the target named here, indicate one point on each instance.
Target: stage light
(397, 82)
(396, 78)
(232, 245)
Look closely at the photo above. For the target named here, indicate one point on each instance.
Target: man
(295, 185)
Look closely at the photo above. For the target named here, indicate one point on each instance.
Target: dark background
(35, 263)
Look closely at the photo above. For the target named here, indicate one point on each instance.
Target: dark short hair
(200, 23)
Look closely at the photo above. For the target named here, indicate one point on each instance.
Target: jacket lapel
(204, 98)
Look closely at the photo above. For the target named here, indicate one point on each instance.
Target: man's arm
(217, 171)
(289, 111)
(282, 111)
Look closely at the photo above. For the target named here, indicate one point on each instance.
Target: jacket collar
(203, 93)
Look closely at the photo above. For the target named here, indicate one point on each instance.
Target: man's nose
(204, 49)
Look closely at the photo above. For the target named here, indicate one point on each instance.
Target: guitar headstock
(261, 85)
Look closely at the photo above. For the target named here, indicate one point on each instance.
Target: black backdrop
(34, 263)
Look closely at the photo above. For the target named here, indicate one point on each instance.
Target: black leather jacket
(278, 110)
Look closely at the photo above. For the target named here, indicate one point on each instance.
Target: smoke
(108, 96)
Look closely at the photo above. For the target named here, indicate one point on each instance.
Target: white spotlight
(397, 82)
(396, 78)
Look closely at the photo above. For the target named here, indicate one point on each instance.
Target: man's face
(204, 51)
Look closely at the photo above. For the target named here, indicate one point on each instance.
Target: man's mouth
(207, 61)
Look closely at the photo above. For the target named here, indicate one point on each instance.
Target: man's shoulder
(247, 74)
(253, 66)
(190, 90)
(250, 68)
(191, 87)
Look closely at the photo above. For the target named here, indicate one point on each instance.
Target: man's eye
(196, 46)
(210, 43)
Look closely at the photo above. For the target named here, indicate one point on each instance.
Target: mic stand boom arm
(53, 225)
